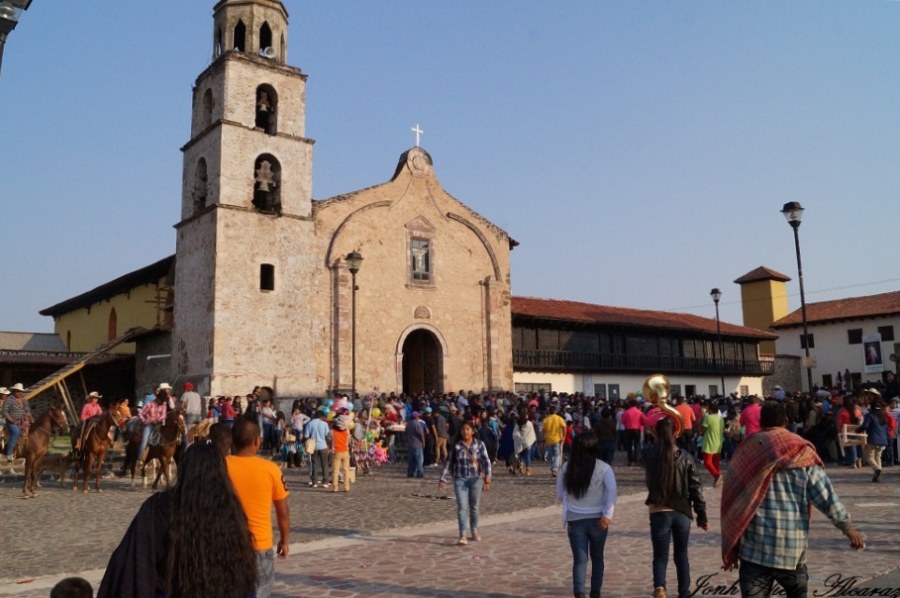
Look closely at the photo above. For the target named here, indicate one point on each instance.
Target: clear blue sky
(640, 152)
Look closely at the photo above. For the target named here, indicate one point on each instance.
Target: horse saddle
(155, 436)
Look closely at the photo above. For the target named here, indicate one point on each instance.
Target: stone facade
(263, 294)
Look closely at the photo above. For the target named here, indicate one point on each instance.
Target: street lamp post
(10, 11)
(716, 294)
(354, 261)
(793, 212)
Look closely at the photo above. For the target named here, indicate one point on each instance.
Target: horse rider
(153, 414)
(17, 415)
(91, 409)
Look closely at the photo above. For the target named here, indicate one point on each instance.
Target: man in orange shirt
(686, 440)
(340, 436)
(259, 485)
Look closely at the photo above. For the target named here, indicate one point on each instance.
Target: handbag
(309, 445)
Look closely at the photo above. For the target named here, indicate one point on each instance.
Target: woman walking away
(587, 488)
(192, 540)
(469, 464)
(875, 426)
(674, 488)
(524, 438)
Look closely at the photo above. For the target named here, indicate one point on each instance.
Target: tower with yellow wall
(764, 301)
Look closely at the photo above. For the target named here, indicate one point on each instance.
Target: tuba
(657, 392)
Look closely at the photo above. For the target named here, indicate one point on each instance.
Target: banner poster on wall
(872, 354)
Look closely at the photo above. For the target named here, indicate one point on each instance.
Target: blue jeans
(468, 495)
(757, 581)
(145, 438)
(586, 539)
(663, 527)
(525, 457)
(552, 454)
(415, 462)
(265, 572)
(13, 432)
(607, 450)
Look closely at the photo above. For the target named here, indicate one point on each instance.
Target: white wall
(571, 383)
(833, 353)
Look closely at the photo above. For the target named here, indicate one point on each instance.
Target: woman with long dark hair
(587, 488)
(190, 541)
(673, 489)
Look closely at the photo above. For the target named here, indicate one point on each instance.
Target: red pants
(712, 464)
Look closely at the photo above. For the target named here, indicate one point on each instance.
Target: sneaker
(659, 592)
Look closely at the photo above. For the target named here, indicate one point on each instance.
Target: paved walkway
(525, 552)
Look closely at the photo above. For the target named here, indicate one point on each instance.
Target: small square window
(886, 332)
(600, 391)
(266, 277)
(812, 341)
(854, 336)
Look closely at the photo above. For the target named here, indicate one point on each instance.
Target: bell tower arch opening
(423, 362)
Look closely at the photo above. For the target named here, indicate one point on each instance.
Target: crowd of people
(775, 452)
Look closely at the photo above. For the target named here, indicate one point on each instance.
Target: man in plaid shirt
(771, 485)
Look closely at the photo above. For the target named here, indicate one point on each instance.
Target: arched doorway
(423, 362)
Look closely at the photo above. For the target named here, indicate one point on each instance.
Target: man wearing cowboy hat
(152, 414)
(192, 406)
(91, 409)
(17, 414)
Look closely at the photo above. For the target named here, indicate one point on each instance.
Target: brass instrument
(657, 392)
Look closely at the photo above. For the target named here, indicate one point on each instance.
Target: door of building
(423, 363)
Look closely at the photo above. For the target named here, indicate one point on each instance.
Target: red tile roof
(762, 273)
(884, 304)
(588, 313)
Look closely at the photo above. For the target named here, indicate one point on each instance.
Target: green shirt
(713, 429)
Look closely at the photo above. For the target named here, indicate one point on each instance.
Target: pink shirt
(750, 419)
(632, 419)
(90, 410)
(153, 413)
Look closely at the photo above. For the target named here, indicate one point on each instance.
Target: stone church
(398, 287)
(263, 290)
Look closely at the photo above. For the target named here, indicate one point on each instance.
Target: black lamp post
(716, 294)
(793, 212)
(354, 261)
(10, 11)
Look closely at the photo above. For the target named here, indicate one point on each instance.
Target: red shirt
(750, 419)
(341, 440)
(90, 410)
(632, 419)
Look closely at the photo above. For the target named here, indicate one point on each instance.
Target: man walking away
(554, 434)
(192, 406)
(773, 478)
(259, 485)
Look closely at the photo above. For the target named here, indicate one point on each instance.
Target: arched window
(267, 184)
(200, 189)
(207, 108)
(217, 44)
(266, 109)
(240, 34)
(112, 325)
(265, 37)
(282, 56)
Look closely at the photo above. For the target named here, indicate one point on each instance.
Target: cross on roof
(418, 133)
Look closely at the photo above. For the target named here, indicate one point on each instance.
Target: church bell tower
(245, 233)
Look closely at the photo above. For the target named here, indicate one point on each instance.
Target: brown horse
(95, 446)
(38, 443)
(171, 433)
